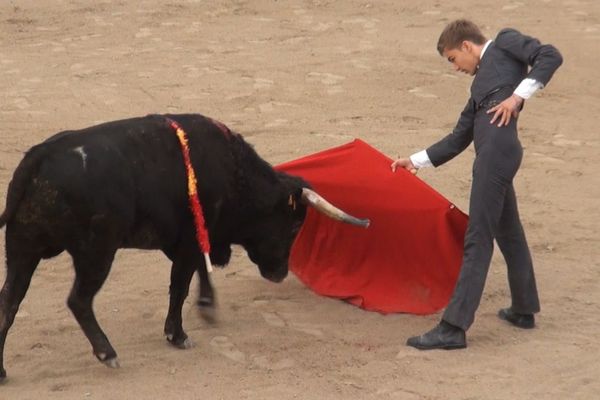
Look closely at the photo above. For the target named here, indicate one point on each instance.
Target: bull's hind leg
(21, 262)
(92, 264)
(181, 276)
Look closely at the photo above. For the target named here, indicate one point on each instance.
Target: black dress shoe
(443, 336)
(525, 321)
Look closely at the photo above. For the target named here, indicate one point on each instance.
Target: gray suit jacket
(503, 66)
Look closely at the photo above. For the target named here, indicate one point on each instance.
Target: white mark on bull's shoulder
(82, 153)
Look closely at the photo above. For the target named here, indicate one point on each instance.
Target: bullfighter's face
(464, 58)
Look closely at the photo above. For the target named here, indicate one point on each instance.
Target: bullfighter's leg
(21, 262)
(513, 244)
(91, 269)
(181, 276)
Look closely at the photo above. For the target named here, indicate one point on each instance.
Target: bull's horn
(312, 198)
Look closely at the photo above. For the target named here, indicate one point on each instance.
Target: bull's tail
(20, 180)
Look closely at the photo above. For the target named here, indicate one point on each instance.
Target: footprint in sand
(303, 17)
(266, 107)
(279, 322)
(325, 78)
(264, 362)
(273, 319)
(261, 83)
(360, 64)
(311, 329)
(512, 6)
(99, 21)
(22, 103)
(420, 93)
(544, 158)
(560, 141)
(224, 346)
(276, 123)
(331, 80)
(369, 25)
(191, 71)
(322, 26)
(294, 40)
(194, 27)
(143, 33)
(409, 119)
(76, 67)
(335, 90)
(366, 45)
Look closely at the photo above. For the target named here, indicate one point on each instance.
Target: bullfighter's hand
(506, 110)
(404, 163)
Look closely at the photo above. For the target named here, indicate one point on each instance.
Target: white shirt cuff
(421, 159)
(527, 88)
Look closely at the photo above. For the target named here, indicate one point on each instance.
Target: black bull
(122, 184)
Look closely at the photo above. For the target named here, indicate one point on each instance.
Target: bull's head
(274, 232)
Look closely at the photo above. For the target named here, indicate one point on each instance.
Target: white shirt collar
(485, 46)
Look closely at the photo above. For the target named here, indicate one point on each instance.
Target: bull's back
(129, 173)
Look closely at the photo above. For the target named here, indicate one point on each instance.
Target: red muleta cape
(409, 258)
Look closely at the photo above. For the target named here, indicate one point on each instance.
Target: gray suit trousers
(493, 214)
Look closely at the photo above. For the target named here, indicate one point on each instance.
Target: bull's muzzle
(274, 275)
(313, 199)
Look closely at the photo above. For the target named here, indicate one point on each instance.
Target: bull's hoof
(205, 302)
(110, 362)
(2, 375)
(183, 343)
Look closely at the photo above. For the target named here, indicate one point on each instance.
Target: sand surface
(297, 77)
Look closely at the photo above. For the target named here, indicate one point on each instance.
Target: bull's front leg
(220, 254)
(206, 296)
(181, 276)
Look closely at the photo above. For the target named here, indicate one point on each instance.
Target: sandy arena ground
(296, 77)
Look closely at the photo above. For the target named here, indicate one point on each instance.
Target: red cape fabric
(406, 261)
